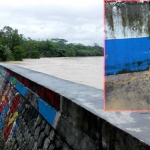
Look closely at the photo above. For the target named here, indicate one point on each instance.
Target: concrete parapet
(32, 119)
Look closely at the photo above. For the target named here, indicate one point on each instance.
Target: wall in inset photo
(127, 55)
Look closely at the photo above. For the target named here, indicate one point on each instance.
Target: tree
(5, 53)
(59, 41)
(35, 54)
(10, 37)
(18, 53)
(2, 53)
(16, 39)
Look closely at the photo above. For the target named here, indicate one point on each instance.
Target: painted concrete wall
(26, 120)
(72, 117)
(127, 43)
(34, 117)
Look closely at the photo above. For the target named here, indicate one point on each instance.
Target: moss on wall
(109, 15)
(133, 15)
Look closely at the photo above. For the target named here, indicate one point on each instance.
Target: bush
(35, 54)
(18, 53)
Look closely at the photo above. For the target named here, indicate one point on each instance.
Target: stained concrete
(127, 19)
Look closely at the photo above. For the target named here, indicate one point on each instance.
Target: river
(84, 70)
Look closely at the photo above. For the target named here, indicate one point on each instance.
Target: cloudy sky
(78, 21)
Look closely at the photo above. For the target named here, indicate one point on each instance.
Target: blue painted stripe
(0, 69)
(10, 79)
(15, 127)
(24, 91)
(1, 122)
(20, 108)
(46, 111)
(3, 114)
(130, 54)
(5, 110)
(21, 88)
(6, 75)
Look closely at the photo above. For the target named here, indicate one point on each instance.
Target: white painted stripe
(126, 38)
(55, 122)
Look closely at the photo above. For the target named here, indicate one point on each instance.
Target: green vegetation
(35, 54)
(15, 46)
(5, 53)
(18, 53)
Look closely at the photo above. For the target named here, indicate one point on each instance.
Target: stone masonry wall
(22, 126)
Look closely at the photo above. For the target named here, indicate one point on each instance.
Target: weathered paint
(85, 104)
(5, 110)
(21, 89)
(127, 19)
(46, 111)
(14, 80)
(127, 55)
(10, 106)
(127, 43)
(6, 75)
(11, 120)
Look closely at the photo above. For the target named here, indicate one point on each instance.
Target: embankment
(39, 111)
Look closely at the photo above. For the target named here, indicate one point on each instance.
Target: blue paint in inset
(127, 55)
(21, 88)
(46, 111)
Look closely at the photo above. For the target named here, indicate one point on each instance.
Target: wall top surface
(86, 96)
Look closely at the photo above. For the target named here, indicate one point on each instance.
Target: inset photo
(127, 55)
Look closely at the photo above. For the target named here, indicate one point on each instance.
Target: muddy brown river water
(84, 70)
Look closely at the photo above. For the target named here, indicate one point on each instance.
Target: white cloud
(79, 21)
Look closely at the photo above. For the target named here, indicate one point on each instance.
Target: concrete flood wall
(38, 111)
(26, 120)
(35, 117)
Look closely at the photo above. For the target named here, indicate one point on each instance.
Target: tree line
(15, 46)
